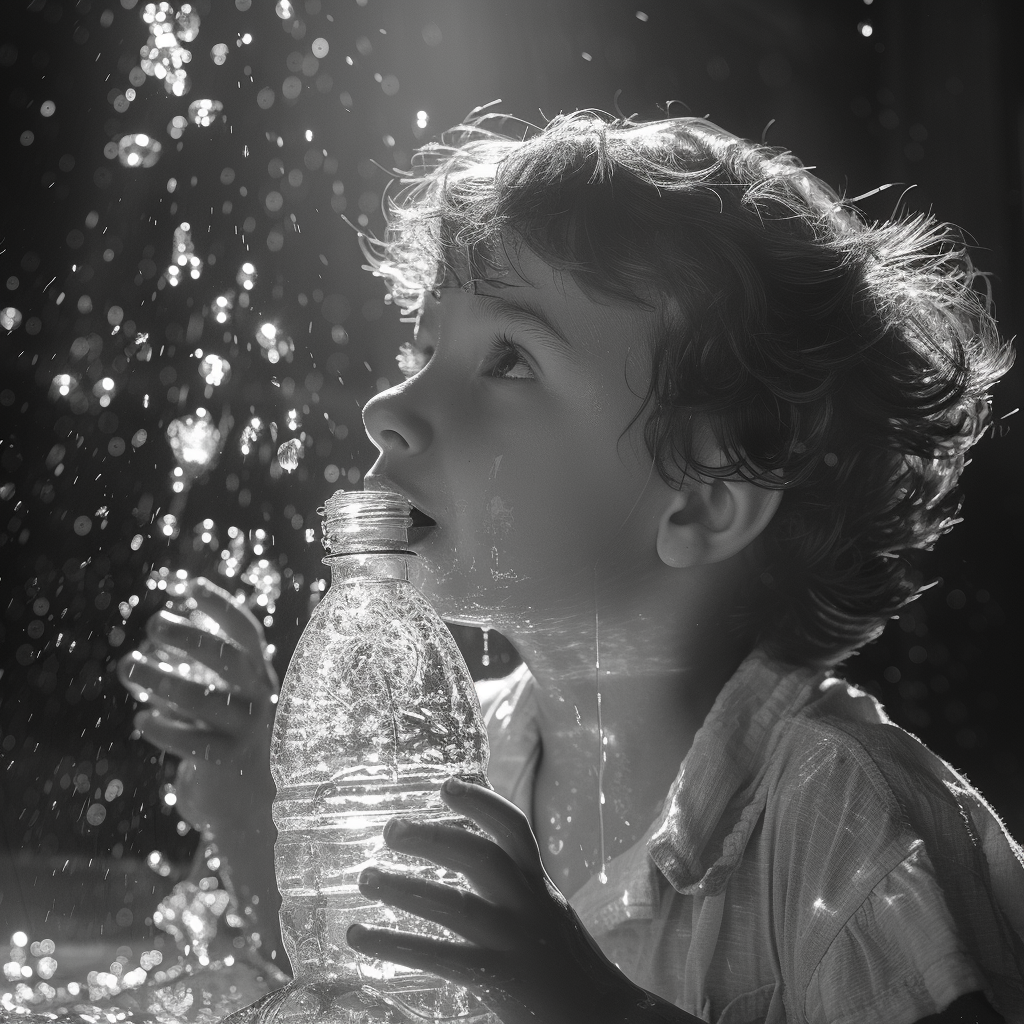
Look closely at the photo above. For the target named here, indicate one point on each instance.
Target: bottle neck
(369, 566)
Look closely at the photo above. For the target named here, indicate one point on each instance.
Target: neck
(622, 692)
(653, 646)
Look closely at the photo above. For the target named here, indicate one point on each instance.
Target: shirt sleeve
(899, 957)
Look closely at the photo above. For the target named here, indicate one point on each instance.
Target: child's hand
(529, 958)
(210, 703)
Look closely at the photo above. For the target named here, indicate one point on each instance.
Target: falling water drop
(289, 454)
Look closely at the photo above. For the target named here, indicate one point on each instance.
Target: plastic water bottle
(376, 710)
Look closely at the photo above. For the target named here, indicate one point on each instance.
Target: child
(677, 413)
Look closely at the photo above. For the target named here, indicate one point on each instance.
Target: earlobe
(712, 522)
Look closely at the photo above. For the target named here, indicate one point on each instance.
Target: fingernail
(355, 931)
(394, 829)
(369, 877)
(455, 786)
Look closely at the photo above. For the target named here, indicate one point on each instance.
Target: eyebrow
(527, 317)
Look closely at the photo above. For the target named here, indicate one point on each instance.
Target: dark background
(871, 94)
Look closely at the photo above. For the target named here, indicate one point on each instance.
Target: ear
(710, 522)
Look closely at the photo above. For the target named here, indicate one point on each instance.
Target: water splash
(163, 56)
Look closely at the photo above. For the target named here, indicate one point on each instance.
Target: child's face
(516, 452)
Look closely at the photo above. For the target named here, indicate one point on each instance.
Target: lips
(420, 520)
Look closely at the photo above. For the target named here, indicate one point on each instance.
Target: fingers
(233, 617)
(181, 737)
(487, 867)
(220, 654)
(462, 912)
(160, 688)
(463, 964)
(500, 819)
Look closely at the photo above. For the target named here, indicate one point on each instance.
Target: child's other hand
(528, 956)
(210, 703)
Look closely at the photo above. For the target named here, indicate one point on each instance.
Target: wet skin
(553, 527)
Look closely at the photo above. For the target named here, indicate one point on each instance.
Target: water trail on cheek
(602, 875)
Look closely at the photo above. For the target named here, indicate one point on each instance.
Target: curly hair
(845, 362)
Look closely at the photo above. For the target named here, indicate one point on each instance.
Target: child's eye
(509, 361)
(411, 359)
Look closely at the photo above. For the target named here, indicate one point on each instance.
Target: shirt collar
(717, 797)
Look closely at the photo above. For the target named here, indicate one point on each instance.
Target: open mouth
(420, 520)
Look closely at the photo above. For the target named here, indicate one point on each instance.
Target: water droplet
(138, 150)
(183, 255)
(219, 53)
(188, 23)
(10, 317)
(215, 370)
(204, 112)
(195, 441)
(289, 454)
(284, 9)
(246, 276)
(157, 862)
(250, 435)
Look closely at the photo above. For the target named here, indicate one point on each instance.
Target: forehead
(520, 278)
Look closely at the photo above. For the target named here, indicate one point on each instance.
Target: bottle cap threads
(359, 522)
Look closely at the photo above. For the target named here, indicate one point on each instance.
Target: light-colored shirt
(812, 862)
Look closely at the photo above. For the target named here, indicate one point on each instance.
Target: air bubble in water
(289, 454)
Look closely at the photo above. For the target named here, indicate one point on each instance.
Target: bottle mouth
(359, 522)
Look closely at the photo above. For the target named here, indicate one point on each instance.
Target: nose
(394, 426)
